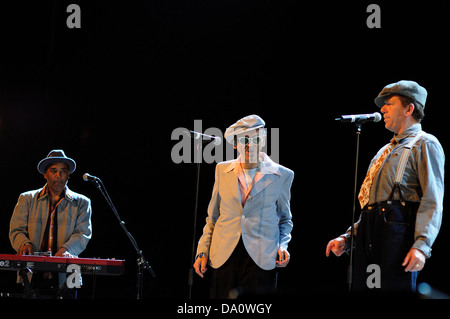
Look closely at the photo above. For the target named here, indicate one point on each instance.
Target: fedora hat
(56, 156)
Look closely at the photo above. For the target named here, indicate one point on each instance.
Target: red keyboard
(93, 266)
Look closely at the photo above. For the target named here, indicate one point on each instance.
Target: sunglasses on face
(244, 140)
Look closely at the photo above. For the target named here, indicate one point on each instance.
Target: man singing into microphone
(401, 197)
(249, 224)
(52, 220)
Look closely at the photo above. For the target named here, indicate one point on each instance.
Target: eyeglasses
(244, 140)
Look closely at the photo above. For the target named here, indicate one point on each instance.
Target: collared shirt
(267, 166)
(423, 181)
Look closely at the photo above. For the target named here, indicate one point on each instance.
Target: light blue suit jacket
(265, 222)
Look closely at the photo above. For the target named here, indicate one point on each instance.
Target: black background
(111, 93)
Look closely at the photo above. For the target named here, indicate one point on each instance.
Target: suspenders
(401, 168)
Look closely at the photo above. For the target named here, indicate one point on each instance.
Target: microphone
(89, 178)
(204, 137)
(360, 118)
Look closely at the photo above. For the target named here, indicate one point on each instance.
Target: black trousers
(241, 277)
(384, 236)
(45, 285)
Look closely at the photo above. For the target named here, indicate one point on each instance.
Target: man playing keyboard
(53, 220)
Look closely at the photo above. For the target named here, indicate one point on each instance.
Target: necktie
(365, 187)
(51, 231)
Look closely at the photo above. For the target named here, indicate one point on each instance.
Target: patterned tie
(365, 187)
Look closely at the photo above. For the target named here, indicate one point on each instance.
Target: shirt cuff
(423, 247)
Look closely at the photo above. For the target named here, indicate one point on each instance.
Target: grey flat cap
(406, 88)
(246, 124)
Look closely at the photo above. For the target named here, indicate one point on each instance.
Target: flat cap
(245, 124)
(405, 88)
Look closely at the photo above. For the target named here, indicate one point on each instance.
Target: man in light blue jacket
(249, 221)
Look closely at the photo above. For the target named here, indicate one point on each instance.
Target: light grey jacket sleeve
(284, 212)
(213, 214)
(18, 233)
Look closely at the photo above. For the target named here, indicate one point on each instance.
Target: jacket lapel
(231, 181)
(269, 172)
(262, 183)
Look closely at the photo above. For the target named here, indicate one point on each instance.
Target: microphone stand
(350, 266)
(355, 197)
(141, 262)
(198, 146)
(359, 121)
(194, 235)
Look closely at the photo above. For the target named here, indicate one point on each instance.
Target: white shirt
(249, 175)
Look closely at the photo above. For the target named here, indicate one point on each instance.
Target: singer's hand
(414, 260)
(200, 265)
(337, 246)
(283, 257)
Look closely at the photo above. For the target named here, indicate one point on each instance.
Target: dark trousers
(384, 236)
(241, 277)
(46, 285)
